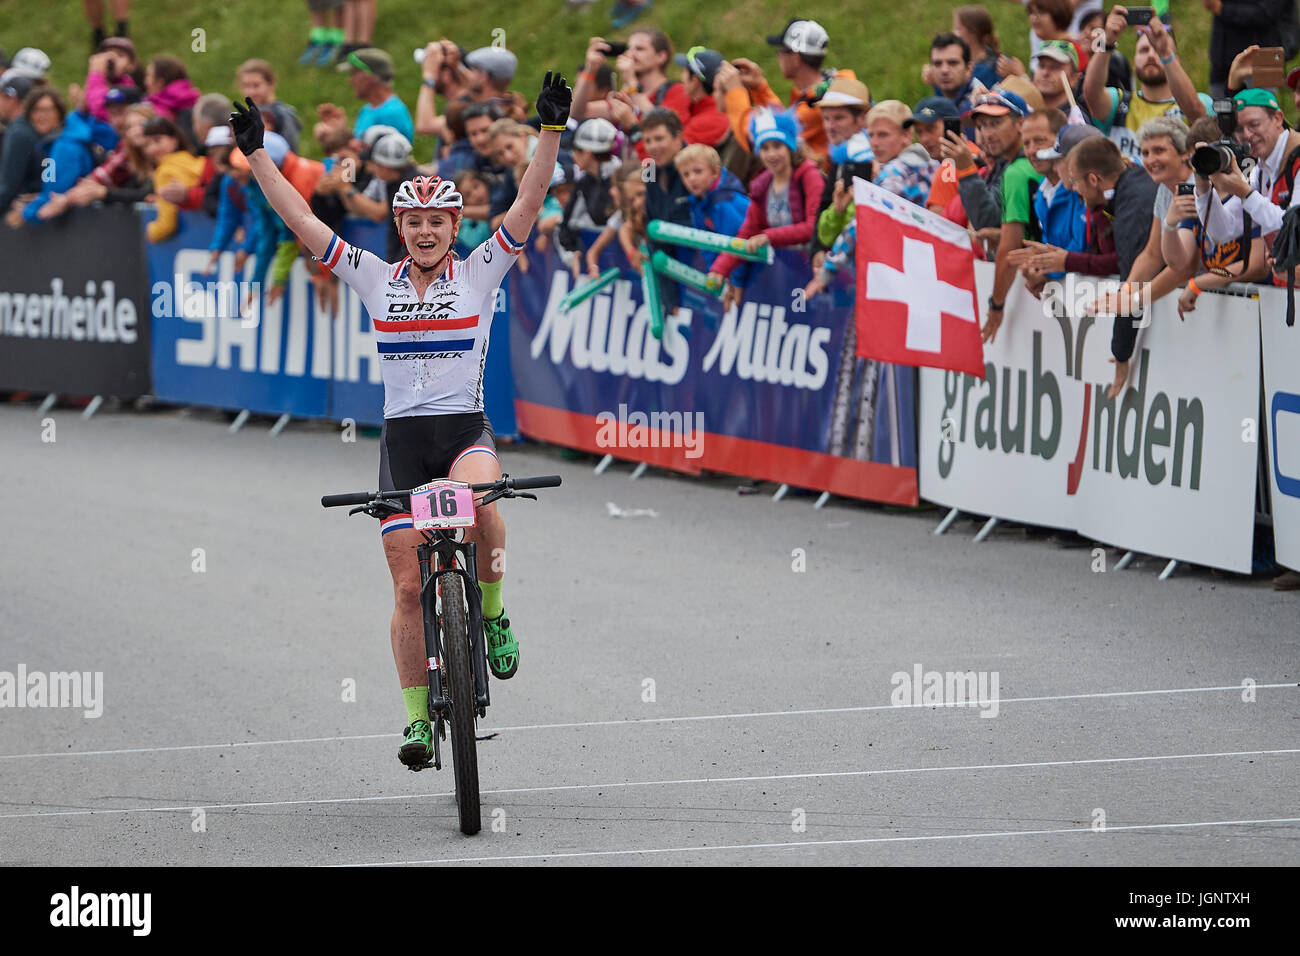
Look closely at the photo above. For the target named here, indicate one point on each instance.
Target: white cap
(219, 136)
(393, 151)
(372, 133)
(596, 134)
(802, 36)
(31, 61)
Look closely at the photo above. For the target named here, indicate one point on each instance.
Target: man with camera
(1270, 189)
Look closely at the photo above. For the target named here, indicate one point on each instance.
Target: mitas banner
(916, 285)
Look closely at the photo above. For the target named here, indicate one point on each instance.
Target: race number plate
(442, 504)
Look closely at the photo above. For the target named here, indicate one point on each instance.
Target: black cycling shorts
(415, 450)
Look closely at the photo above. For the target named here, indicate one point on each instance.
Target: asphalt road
(686, 695)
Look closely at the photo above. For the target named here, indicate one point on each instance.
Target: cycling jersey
(432, 350)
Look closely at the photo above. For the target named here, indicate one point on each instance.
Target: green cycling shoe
(502, 648)
(417, 744)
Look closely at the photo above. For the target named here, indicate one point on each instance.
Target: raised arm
(553, 109)
(246, 122)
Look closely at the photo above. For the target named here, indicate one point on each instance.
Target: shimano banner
(1166, 468)
(771, 390)
(74, 305)
(217, 342)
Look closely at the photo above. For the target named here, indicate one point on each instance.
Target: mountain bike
(452, 607)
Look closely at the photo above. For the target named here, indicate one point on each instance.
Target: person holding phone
(1164, 88)
(1237, 25)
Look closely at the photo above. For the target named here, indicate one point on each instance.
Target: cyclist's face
(428, 234)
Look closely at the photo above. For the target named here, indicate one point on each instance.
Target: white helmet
(428, 192)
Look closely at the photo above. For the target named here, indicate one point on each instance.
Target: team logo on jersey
(397, 284)
(487, 252)
(354, 256)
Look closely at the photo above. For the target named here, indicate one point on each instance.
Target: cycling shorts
(415, 450)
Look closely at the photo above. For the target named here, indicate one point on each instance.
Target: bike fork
(432, 650)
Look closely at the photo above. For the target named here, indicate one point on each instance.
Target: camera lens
(1208, 160)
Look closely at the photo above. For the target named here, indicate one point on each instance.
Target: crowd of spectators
(1078, 161)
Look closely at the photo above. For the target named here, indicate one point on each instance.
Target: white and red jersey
(432, 350)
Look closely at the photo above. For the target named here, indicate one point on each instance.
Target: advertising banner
(1166, 468)
(1282, 415)
(770, 390)
(74, 306)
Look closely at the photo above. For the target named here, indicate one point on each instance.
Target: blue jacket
(79, 149)
(722, 209)
(1065, 222)
(230, 215)
(266, 231)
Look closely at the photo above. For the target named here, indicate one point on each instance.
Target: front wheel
(459, 690)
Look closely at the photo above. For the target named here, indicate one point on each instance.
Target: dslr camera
(1217, 157)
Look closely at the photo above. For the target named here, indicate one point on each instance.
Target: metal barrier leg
(1125, 561)
(947, 521)
(279, 424)
(93, 406)
(780, 492)
(987, 530)
(238, 423)
(639, 470)
(824, 497)
(1169, 569)
(47, 404)
(603, 464)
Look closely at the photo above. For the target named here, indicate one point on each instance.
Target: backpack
(662, 92)
(1286, 253)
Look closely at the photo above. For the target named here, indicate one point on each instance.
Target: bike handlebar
(505, 483)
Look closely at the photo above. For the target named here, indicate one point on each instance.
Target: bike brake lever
(523, 494)
(358, 509)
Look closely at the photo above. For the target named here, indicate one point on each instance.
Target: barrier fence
(773, 390)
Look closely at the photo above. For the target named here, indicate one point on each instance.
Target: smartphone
(952, 126)
(1269, 67)
(1139, 16)
(1186, 189)
(860, 170)
(616, 49)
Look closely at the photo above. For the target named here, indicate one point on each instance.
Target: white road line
(631, 721)
(805, 843)
(649, 783)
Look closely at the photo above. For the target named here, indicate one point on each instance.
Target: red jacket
(806, 187)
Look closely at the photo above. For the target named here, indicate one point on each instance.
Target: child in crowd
(256, 81)
(591, 201)
(784, 198)
(170, 150)
(474, 191)
(718, 201)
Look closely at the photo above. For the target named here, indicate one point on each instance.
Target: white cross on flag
(916, 285)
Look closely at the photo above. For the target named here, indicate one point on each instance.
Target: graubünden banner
(1166, 468)
(771, 390)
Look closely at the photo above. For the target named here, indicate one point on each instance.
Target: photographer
(1270, 189)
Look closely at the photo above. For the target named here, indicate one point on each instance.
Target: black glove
(554, 101)
(248, 127)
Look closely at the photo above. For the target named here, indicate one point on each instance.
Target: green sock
(492, 606)
(417, 703)
(335, 36)
(317, 34)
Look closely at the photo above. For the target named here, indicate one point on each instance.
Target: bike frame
(458, 558)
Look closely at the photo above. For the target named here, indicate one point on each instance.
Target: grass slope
(885, 43)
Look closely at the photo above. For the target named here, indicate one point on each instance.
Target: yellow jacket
(181, 165)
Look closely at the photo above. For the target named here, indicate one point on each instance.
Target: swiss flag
(916, 300)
